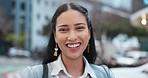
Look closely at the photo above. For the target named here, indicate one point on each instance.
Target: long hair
(89, 55)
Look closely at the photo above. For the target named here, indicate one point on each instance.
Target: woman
(71, 49)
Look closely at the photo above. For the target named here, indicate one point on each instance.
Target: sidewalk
(130, 72)
(17, 61)
(13, 67)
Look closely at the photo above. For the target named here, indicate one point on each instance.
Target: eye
(63, 29)
(80, 28)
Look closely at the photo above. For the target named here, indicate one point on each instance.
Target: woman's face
(72, 34)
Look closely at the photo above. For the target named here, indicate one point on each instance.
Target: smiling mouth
(73, 45)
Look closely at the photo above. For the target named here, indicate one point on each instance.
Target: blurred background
(121, 32)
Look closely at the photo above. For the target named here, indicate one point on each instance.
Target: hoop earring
(88, 48)
(56, 51)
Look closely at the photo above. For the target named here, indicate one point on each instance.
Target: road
(131, 72)
(13, 67)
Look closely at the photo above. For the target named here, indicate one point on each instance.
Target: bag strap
(45, 71)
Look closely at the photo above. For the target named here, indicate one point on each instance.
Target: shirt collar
(88, 69)
(58, 66)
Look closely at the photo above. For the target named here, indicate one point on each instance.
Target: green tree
(21, 41)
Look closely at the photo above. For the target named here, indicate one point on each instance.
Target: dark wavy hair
(49, 54)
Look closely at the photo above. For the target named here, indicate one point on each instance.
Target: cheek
(85, 36)
(59, 38)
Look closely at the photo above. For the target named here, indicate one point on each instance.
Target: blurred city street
(120, 28)
(13, 67)
(131, 72)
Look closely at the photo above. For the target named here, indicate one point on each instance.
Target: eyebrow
(74, 25)
(79, 24)
(62, 26)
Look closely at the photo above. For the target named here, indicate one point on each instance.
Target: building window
(53, 3)
(38, 16)
(46, 18)
(22, 20)
(23, 6)
(38, 1)
(46, 2)
(13, 4)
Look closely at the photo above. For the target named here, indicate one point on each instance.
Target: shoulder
(100, 67)
(102, 71)
(33, 72)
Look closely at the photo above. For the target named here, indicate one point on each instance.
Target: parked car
(130, 59)
(18, 52)
(131, 72)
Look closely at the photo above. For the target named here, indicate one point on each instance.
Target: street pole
(27, 25)
(17, 22)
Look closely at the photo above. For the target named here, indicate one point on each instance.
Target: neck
(74, 67)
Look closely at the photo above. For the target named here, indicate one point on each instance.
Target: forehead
(71, 15)
(71, 11)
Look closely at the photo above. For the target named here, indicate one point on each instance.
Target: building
(19, 13)
(21, 10)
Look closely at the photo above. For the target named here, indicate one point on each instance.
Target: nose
(72, 36)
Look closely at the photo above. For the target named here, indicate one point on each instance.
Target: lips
(73, 46)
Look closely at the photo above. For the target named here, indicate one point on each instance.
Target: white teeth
(73, 45)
